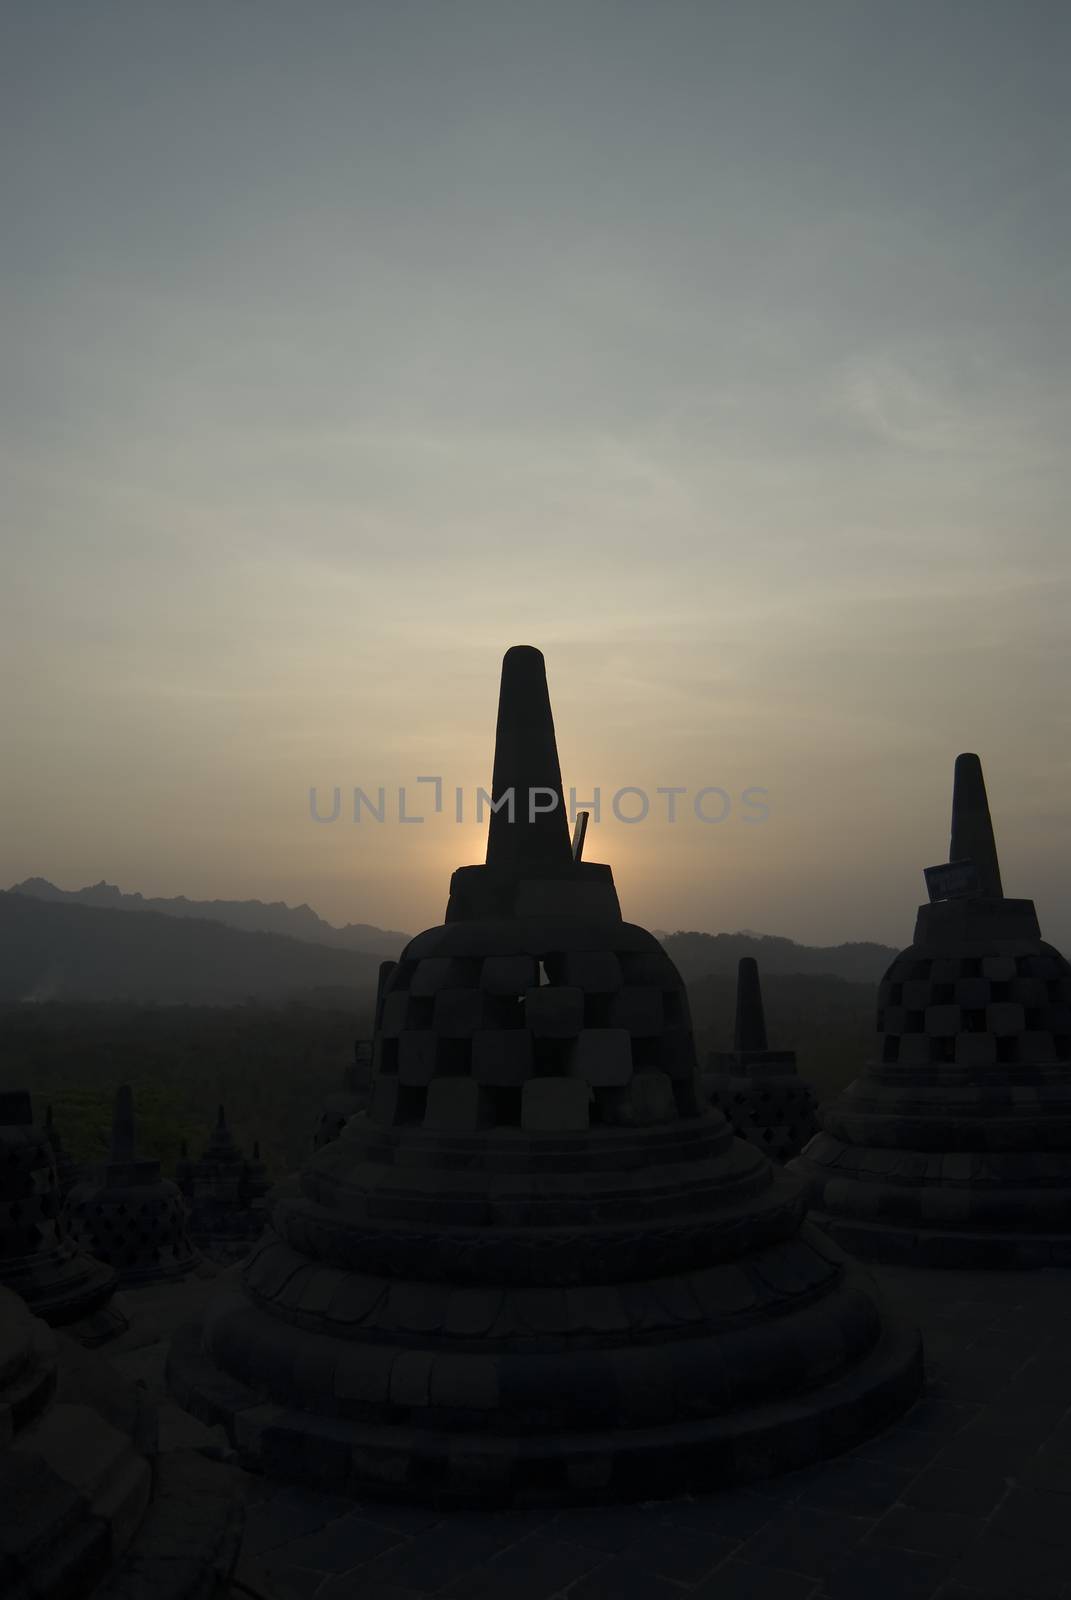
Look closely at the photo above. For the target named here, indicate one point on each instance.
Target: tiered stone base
(457, 1320)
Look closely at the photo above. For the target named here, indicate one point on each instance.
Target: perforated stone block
(442, 972)
(1037, 1047)
(555, 1105)
(972, 993)
(943, 1021)
(395, 1011)
(594, 971)
(915, 1050)
(647, 1098)
(502, 1057)
(998, 969)
(639, 1010)
(456, 1105)
(975, 1049)
(383, 1106)
(649, 967)
(1004, 1017)
(602, 1057)
(416, 1057)
(458, 1013)
(509, 975)
(918, 993)
(676, 1052)
(554, 1013)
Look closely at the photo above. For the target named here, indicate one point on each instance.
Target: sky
(720, 350)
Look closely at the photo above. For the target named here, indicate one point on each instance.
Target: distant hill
(56, 950)
(252, 916)
(697, 954)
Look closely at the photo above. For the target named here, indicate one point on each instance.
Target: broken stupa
(538, 1267)
(756, 1088)
(953, 1148)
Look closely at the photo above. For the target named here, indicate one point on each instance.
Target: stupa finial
(972, 826)
(221, 1121)
(526, 761)
(750, 1031)
(122, 1149)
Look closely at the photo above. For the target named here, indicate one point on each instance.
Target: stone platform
(968, 1497)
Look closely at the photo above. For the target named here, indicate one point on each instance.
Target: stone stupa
(539, 1268)
(953, 1148)
(128, 1215)
(756, 1088)
(39, 1258)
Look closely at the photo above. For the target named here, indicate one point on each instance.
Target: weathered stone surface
(554, 1105)
(602, 1056)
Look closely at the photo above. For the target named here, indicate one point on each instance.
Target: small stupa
(758, 1089)
(39, 1258)
(128, 1215)
(224, 1193)
(954, 1146)
(539, 1268)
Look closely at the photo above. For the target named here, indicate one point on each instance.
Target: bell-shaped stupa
(538, 1267)
(128, 1215)
(756, 1088)
(954, 1146)
(39, 1259)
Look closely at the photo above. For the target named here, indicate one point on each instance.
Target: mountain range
(84, 944)
(252, 916)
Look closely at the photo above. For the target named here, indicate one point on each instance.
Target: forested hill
(252, 916)
(60, 951)
(697, 954)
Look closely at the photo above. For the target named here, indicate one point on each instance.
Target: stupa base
(455, 1470)
(977, 1250)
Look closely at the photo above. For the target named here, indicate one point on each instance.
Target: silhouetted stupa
(539, 1268)
(39, 1259)
(954, 1147)
(756, 1088)
(130, 1216)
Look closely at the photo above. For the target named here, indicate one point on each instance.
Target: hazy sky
(719, 349)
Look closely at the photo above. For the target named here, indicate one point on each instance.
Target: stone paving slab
(968, 1498)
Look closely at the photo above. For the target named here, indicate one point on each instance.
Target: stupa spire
(972, 826)
(526, 760)
(750, 1030)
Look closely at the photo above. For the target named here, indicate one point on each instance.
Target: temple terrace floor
(969, 1496)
